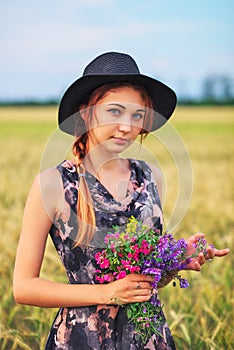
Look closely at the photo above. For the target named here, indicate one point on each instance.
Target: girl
(79, 202)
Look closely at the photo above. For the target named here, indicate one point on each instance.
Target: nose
(125, 125)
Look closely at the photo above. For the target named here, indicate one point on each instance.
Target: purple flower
(155, 301)
(183, 283)
(157, 273)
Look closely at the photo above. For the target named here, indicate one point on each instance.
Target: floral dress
(101, 327)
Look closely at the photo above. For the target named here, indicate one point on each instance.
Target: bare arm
(29, 288)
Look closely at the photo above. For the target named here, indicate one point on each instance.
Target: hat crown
(112, 63)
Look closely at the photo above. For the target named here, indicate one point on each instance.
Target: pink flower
(105, 264)
(136, 248)
(102, 260)
(145, 248)
(107, 278)
(120, 275)
(134, 269)
(126, 264)
(133, 256)
(103, 278)
(145, 251)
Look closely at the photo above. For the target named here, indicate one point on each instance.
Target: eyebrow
(121, 106)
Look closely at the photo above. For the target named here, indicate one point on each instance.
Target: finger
(141, 278)
(195, 237)
(222, 252)
(142, 292)
(210, 253)
(140, 298)
(142, 285)
(198, 235)
(197, 266)
(193, 265)
(201, 259)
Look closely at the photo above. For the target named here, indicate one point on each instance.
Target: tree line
(215, 90)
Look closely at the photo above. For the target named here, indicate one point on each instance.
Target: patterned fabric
(101, 327)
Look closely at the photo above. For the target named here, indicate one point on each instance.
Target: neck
(97, 164)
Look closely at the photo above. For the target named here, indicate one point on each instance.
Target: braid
(85, 210)
(80, 147)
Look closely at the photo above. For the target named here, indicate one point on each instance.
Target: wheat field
(200, 317)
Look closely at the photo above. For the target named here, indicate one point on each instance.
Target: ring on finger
(138, 285)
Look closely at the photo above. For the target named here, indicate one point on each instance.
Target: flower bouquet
(141, 249)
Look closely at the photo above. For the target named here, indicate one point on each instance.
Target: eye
(114, 111)
(137, 116)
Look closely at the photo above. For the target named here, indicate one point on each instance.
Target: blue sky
(46, 44)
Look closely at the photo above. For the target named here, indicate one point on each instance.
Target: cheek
(107, 126)
(136, 131)
(103, 130)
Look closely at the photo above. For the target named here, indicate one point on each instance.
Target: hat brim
(164, 98)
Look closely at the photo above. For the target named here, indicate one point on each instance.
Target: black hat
(108, 68)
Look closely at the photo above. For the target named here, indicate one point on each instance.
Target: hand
(211, 252)
(130, 289)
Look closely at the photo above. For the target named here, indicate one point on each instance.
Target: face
(117, 121)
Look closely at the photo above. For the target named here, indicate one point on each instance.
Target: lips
(120, 140)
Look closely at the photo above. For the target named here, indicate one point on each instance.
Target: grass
(201, 317)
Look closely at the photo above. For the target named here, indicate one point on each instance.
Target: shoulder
(49, 179)
(47, 188)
